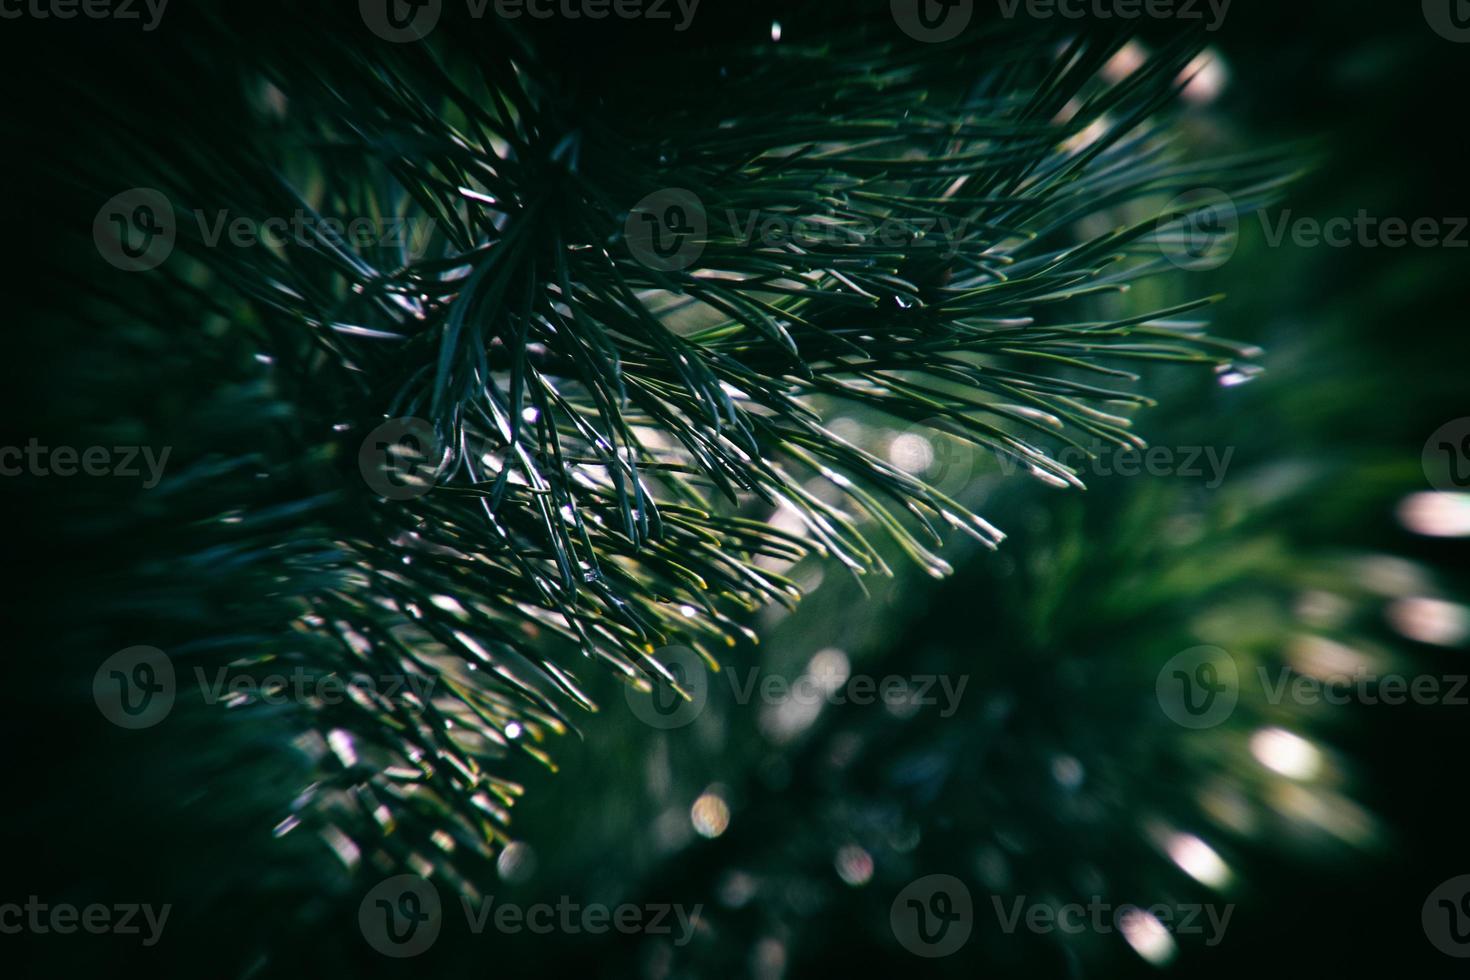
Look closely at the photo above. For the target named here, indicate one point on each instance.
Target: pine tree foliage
(609, 439)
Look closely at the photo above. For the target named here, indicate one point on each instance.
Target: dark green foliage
(612, 440)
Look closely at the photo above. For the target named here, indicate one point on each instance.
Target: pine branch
(609, 435)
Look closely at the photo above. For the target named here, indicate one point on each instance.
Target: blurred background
(1305, 525)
